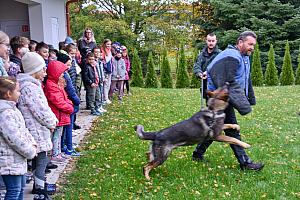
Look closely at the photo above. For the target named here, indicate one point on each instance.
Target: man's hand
(202, 75)
(93, 85)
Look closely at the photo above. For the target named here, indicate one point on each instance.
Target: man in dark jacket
(208, 53)
(233, 66)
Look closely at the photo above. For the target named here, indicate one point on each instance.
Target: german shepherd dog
(207, 124)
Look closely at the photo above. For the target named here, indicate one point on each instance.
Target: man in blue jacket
(233, 66)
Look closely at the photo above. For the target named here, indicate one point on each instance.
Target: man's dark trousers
(239, 152)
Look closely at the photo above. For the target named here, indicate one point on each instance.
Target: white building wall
(45, 19)
(36, 22)
(14, 18)
(54, 21)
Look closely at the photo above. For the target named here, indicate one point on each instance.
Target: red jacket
(57, 98)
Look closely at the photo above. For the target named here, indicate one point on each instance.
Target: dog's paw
(139, 130)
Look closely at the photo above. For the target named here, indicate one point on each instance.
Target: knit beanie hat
(69, 40)
(32, 63)
(119, 50)
(63, 57)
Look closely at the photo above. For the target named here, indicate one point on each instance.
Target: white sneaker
(101, 109)
(108, 101)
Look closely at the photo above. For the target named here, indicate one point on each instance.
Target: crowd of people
(40, 90)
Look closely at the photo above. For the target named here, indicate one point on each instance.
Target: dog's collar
(212, 120)
(212, 111)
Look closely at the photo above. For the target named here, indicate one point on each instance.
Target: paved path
(85, 120)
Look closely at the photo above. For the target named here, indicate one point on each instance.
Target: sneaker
(101, 109)
(50, 188)
(252, 166)
(50, 165)
(108, 101)
(58, 158)
(72, 153)
(47, 171)
(41, 194)
(95, 113)
(76, 127)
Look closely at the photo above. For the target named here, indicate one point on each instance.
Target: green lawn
(111, 167)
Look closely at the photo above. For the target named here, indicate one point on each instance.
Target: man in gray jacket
(208, 53)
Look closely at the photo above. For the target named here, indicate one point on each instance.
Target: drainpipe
(68, 15)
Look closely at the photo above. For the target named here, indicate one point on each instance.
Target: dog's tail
(144, 135)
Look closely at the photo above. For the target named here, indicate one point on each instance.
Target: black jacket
(204, 58)
(89, 76)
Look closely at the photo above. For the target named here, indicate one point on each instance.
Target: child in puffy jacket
(16, 143)
(118, 75)
(38, 116)
(59, 103)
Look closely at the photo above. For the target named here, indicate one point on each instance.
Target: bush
(195, 82)
(151, 79)
(165, 77)
(256, 70)
(271, 74)
(182, 75)
(287, 75)
(137, 77)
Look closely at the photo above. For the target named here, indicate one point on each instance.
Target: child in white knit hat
(39, 118)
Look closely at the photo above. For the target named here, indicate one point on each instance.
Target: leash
(201, 94)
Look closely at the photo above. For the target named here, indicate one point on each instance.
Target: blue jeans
(67, 132)
(14, 186)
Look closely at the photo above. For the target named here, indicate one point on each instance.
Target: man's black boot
(252, 166)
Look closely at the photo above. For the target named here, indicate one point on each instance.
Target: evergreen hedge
(297, 81)
(195, 82)
(165, 76)
(256, 70)
(182, 80)
(271, 74)
(287, 75)
(137, 76)
(151, 79)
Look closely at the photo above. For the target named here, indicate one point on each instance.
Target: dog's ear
(209, 94)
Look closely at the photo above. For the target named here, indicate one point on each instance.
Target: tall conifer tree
(297, 81)
(151, 79)
(165, 77)
(256, 70)
(137, 76)
(182, 80)
(287, 75)
(271, 74)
